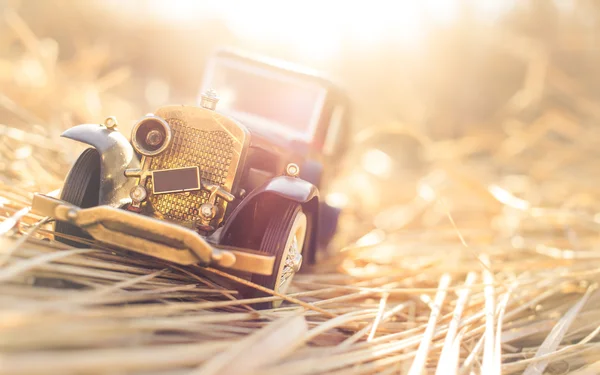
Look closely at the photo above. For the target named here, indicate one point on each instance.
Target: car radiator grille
(211, 151)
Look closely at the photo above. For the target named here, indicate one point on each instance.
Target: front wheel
(284, 238)
(273, 226)
(81, 188)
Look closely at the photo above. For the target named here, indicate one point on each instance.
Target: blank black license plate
(175, 180)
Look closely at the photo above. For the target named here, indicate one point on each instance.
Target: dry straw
(492, 268)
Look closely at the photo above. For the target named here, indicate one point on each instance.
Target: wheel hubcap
(292, 261)
(297, 262)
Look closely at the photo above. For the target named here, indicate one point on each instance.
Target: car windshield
(264, 98)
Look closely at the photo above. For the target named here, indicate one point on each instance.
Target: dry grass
(492, 268)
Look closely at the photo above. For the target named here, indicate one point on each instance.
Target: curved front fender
(293, 189)
(116, 155)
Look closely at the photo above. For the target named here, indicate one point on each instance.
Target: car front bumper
(152, 237)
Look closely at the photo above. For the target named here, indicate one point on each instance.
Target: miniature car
(235, 188)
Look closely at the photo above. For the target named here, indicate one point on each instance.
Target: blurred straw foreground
(490, 267)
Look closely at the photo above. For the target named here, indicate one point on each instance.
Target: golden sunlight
(314, 29)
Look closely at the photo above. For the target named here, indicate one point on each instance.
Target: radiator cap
(209, 99)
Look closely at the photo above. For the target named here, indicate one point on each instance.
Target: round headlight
(151, 135)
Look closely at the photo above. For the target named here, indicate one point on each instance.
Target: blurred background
(474, 101)
(475, 150)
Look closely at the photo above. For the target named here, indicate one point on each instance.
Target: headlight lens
(151, 135)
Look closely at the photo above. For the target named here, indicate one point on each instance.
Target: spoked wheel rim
(291, 260)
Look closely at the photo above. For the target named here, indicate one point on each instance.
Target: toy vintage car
(231, 183)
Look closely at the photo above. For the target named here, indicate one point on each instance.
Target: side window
(334, 136)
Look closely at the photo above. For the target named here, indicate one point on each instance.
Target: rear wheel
(81, 188)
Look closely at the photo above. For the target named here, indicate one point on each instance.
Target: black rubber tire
(273, 243)
(81, 188)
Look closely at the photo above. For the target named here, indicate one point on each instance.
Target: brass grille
(211, 151)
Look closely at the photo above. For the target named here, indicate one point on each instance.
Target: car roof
(283, 66)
